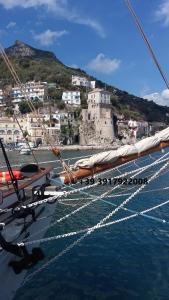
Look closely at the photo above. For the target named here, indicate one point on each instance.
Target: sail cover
(112, 155)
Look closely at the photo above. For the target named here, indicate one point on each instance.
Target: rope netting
(98, 199)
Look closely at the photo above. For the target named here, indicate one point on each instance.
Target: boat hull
(9, 198)
(9, 281)
(15, 232)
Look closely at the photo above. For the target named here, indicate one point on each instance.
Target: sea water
(126, 261)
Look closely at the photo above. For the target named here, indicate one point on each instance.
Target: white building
(130, 130)
(53, 120)
(31, 90)
(44, 130)
(97, 121)
(71, 97)
(2, 102)
(83, 81)
(1, 96)
(10, 131)
(92, 84)
(138, 129)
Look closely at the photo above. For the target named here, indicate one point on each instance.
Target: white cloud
(48, 37)
(8, 4)
(159, 98)
(60, 8)
(74, 66)
(11, 25)
(162, 12)
(88, 22)
(103, 64)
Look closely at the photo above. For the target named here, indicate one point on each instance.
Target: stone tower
(97, 121)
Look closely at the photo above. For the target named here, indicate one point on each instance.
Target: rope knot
(56, 151)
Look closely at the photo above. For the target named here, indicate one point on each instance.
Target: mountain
(20, 49)
(35, 64)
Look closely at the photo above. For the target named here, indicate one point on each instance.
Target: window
(16, 132)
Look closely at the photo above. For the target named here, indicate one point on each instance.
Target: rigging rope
(33, 109)
(82, 189)
(100, 197)
(6, 60)
(51, 161)
(115, 195)
(105, 201)
(138, 23)
(98, 225)
(136, 214)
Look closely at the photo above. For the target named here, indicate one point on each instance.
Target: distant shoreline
(79, 147)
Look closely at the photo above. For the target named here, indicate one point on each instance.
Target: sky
(97, 36)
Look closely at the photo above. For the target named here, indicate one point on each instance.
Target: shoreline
(79, 147)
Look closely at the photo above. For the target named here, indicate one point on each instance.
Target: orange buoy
(5, 176)
(5, 179)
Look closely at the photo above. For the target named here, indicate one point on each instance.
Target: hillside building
(53, 120)
(2, 103)
(83, 81)
(131, 130)
(71, 98)
(31, 90)
(10, 131)
(1, 97)
(32, 128)
(97, 121)
(44, 130)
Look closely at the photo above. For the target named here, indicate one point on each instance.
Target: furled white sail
(113, 155)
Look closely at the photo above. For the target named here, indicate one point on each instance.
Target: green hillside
(35, 64)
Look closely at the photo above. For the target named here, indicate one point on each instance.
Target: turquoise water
(127, 261)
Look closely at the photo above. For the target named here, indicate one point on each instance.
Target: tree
(64, 130)
(37, 103)
(9, 112)
(61, 105)
(24, 107)
(54, 94)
